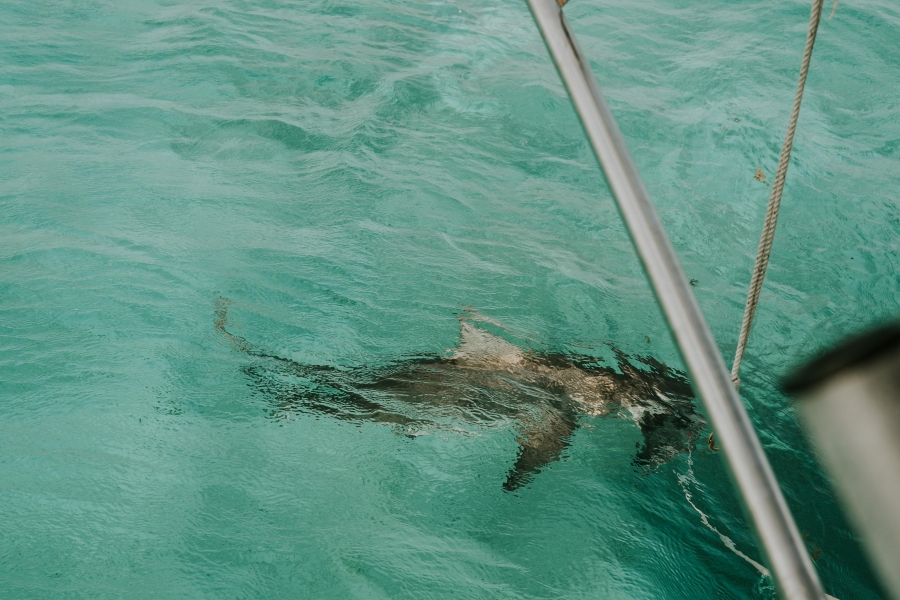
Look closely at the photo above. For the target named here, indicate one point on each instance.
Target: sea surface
(348, 178)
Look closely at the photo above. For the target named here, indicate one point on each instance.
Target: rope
(768, 233)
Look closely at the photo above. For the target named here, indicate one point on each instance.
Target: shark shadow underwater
(487, 380)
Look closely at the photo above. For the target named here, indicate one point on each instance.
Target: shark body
(486, 380)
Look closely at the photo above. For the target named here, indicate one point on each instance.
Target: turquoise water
(352, 175)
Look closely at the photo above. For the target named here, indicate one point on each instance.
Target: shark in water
(486, 379)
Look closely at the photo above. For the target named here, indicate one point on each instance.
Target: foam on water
(352, 176)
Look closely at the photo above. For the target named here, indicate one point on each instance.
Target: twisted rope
(768, 233)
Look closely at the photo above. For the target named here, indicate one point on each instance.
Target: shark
(487, 380)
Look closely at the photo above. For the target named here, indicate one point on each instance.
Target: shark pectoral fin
(539, 446)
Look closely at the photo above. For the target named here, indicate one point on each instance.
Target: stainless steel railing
(756, 485)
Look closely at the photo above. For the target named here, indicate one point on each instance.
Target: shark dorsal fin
(478, 347)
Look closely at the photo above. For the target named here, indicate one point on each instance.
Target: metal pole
(775, 529)
(849, 399)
